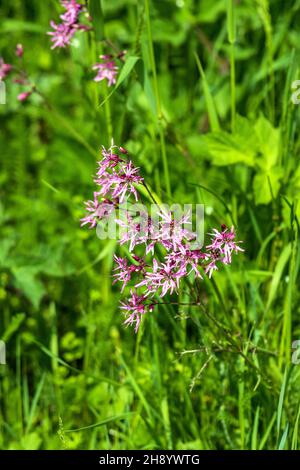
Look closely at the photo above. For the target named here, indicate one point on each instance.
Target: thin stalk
(158, 101)
(107, 109)
(232, 86)
(231, 40)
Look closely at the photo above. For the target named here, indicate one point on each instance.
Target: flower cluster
(107, 69)
(63, 32)
(116, 179)
(20, 75)
(165, 243)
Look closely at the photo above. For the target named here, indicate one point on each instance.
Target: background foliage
(218, 95)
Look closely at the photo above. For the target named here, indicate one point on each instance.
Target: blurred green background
(217, 378)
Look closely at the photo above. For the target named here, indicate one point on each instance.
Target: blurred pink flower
(5, 69)
(19, 50)
(24, 95)
(62, 34)
(106, 70)
(97, 210)
(72, 11)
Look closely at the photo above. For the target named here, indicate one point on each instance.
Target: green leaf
(96, 12)
(230, 21)
(30, 441)
(34, 403)
(267, 432)
(127, 68)
(254, 437)
(266, 185)
(13, 26)
(210, 104)
(281, 263)
(5, 246)
(268, 143)
(26, 281)
(281, 400)
(102, 423)
(14, 325)
(226, 149)
(284, 438)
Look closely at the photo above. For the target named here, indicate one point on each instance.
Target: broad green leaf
(167, 31)
(27, 282)
(225, 149)
(245, 134)
(31, 441)
(210, 11)
(268, 142)
(5, 246)
(264, 182)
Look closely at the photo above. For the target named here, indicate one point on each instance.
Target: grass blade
(95, 9)
(210, 104)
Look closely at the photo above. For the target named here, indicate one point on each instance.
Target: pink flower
(72, 11)
(136, 231)
(222, 246)
(24, 95)
(120, 183)
(19, 50)
(186, 260)
(109, 160)
(125, 181)
(5, 69)
(106, 70)
(130, 231)
(117, 179)
(62, 34)
(164, 276)
(97, 210)
(123, 270)
(211, 267)
(223, 243)
(172, 231)
(135, 308)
